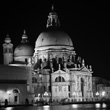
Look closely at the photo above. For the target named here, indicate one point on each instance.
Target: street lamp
(9, 93)
(74, 94)
(45, 94)
(103, 93)
(38, 97)
(97, 94)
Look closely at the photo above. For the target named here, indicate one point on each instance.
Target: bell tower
(7, 51)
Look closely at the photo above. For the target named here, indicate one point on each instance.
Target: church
(49, 71)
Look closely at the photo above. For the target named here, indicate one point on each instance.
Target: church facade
(54, 60)
(55, 72)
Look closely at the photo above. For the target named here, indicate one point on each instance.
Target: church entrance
(60, 88)
(16, 96)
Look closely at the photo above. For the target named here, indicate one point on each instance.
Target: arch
(59, 79)
(16, 95)
(16, 90)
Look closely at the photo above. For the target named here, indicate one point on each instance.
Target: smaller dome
(24, 49)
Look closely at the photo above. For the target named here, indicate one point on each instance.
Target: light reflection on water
(96, 106)
(46, 107)
(104, 105)
(75, 105)
(7, 108)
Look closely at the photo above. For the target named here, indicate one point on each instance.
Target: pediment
(84, 69)
(59, 72)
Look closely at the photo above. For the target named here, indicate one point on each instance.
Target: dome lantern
(24, 37)
(24, 49)
(52, 19)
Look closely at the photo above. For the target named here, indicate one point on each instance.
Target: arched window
(59, 79)
(15, 91)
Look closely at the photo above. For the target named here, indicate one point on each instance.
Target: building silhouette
(50, 70)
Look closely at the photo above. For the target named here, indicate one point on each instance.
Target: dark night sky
(87, 23)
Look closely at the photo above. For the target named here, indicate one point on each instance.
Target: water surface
(62, 107)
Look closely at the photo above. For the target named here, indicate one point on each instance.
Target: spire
(24, 37)
(83, 63)
(90, 68)
(24, 31)
(79, 59)
(52, 18)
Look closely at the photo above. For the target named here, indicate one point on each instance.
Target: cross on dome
(24, 31)
(52, 7)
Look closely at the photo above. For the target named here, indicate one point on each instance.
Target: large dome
(53, 37)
